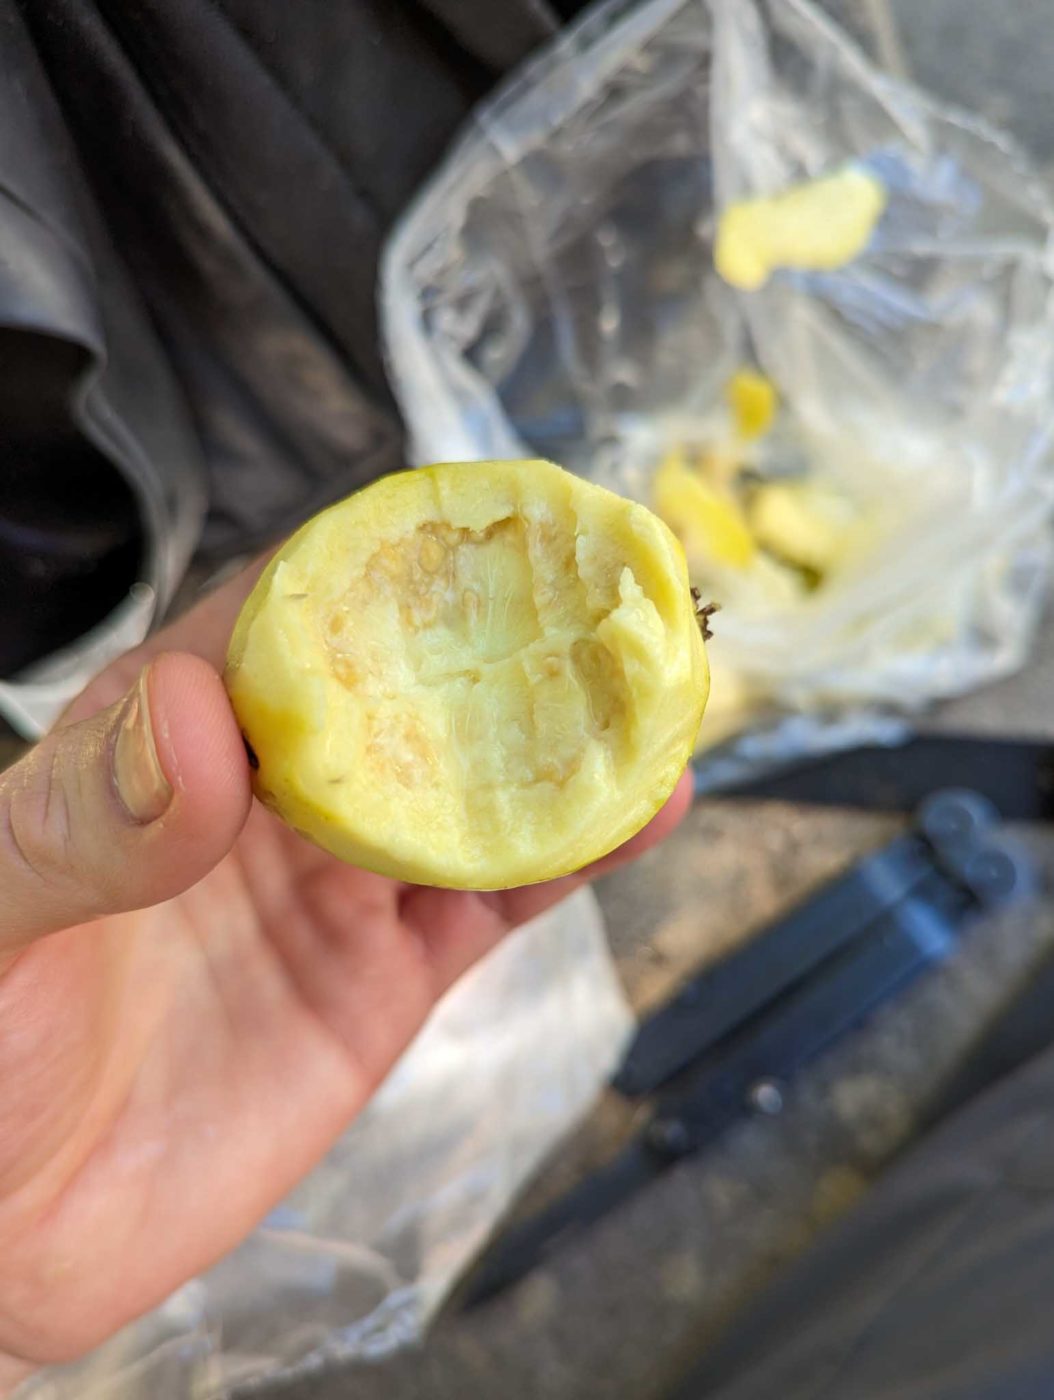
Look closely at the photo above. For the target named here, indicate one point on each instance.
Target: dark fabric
(90, 414)
(937, 1288)
(1023, 1029)
(193, 198)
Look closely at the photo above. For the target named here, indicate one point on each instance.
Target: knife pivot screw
(670, 1136)
(992, 874)
(765, 1097)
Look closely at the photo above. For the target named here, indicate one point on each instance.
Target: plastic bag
(553, 293)
(359, 1257)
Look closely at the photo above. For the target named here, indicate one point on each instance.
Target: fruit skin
(481, 736)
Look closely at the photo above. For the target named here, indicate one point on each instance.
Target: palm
(169, 1074)
(215, 1047)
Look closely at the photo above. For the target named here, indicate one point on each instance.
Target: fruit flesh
(476, 675)
(706, 518)
(821, 225)
(753, 399)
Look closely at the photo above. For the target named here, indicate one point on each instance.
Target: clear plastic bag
(553, 293)
(356, 1261)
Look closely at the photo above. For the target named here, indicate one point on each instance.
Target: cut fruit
(803, 523)
(753, 399)
(707, 519)
(475, 675)
(821, 225)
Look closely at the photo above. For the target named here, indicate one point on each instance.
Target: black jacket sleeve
(193, 199)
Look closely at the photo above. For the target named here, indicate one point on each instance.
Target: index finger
(204, 630)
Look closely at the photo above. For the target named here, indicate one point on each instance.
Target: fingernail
(137, 773)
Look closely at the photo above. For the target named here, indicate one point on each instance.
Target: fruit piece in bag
(804, 523)
(818, 226)
(704, 515)
(474, 675)
(753, 401)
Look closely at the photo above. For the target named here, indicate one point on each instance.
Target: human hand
(194, 1002)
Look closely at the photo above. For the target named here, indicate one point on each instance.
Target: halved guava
(475, 675)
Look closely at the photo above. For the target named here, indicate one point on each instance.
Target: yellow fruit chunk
(821, 226)
(753, 400)
(474, 675)
(707, 520)
(806, 524)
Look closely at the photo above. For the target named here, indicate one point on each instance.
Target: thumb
(122, 810)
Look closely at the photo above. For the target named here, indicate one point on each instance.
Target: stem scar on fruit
(703, 613)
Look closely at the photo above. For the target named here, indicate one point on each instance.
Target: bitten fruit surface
(475, 675)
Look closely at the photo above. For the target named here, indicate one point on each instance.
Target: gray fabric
(193, 197)
(90, 413)
(937, 1288)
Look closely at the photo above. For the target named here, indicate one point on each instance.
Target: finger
(123, 810)
(204, 630)
(459, 927)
